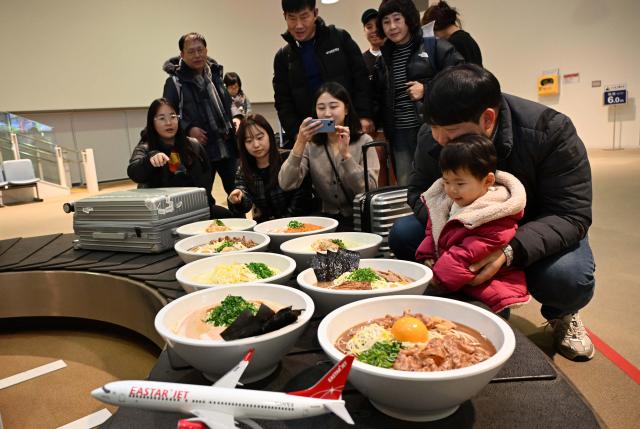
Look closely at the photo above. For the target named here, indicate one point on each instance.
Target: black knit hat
(368, 15)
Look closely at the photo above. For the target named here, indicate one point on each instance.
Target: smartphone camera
(328, 126)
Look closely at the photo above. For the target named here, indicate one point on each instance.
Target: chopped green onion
(229, 310)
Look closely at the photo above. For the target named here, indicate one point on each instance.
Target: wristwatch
(508, 253)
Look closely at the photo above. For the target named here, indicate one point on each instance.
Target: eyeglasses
(167, 118)
(198, 51)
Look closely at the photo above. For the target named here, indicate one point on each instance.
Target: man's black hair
(406, 8)
(293, 6)
(461, 94)
(474, 153)
(191, 36)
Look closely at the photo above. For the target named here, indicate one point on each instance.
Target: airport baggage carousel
(44, 276)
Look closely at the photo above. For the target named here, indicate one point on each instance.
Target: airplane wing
(214, 419)
(230, 379)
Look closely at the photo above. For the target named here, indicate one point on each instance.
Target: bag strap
(335, 171)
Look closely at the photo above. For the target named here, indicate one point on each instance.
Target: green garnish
(382, 354)
(363, 275)
(224, 244)
(339, 243)
(218, 222)
(294, 224)
(260, 269)
(229, 310)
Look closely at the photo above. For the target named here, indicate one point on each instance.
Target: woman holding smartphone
(257, 176)
(332, 158)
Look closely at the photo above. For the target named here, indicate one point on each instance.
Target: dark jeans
(226, 168)
(563, 283)
(403, 147)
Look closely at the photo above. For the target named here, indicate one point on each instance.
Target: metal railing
(22, 138)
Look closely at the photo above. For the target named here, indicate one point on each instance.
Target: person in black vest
(195, 86)
(541, 148)
(166, 158)
(402, 73)
(447, 26)
(316, 53)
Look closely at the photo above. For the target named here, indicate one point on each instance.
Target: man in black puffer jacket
(316, 53)
(541, 148)
(195, 86)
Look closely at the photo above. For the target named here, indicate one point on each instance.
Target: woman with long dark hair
(333, 159)
(166, 157)
(257, 176)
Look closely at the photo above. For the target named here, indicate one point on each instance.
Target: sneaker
(571, 339)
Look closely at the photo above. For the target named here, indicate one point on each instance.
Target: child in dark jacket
(473, 211)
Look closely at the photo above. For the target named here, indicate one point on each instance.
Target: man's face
(370, 32)
(443, 134)
(194, 54)
(302, 24)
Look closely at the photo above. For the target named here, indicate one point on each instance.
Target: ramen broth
(193, 325)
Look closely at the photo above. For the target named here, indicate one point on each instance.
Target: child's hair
(472, 152)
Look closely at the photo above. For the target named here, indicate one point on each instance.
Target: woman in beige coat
(334, 159)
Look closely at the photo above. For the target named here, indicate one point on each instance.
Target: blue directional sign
(615, 94)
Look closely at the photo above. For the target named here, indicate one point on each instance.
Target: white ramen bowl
(300, 250)
(216, 357)
(195, 228)
(284, 264)
(277, 238)
(329, 299)
(182, 247)
(419, 396)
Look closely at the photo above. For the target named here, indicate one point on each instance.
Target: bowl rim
(498, 359)
(180, 229)
(218, 258)
(168, 335)
(288, 243)
(333, 224)
(210, 235)
(426, 277)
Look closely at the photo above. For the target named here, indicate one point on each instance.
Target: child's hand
(235, 196)
(429, 263)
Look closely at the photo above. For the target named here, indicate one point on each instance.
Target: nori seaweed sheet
(330, 266)
(266, 320)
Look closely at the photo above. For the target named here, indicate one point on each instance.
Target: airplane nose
(97, 393)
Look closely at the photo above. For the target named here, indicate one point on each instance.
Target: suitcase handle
(109, 235)
(364, 161)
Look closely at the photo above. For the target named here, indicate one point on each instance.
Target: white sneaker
(571, 339)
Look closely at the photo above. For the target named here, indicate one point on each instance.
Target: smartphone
(328, 126)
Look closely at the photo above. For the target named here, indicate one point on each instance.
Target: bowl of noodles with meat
(366, 278)
(220, 243)
(417, 357)
(281, 230)
(235, 269)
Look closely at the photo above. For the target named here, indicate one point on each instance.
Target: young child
(240, 105)
(473, 211)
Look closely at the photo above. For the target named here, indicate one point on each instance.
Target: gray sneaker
(571, 339)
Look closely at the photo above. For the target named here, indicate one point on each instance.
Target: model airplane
(221, 405)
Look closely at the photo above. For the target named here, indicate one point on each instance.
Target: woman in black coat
(165, 157)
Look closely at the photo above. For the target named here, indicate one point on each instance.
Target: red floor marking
(615, 357)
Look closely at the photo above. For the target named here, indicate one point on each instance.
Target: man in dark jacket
(541, 148)
(195, 85)
(316, 53)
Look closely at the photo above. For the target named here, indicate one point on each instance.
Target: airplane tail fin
(340, 410)
(331, 385)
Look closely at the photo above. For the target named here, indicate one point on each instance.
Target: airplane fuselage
(241, 403)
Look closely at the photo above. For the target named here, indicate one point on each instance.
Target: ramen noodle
(217, 226)
(235, 273)
(366, 279)
(224, 244)
(295, 226)
(415, 342)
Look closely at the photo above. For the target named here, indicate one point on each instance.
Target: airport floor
(95, 355)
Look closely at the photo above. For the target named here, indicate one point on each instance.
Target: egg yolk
(410, 329)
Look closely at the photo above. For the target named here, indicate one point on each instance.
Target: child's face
(463, 188)
(233, 89)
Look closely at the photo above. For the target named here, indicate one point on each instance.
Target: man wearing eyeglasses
(195, 86)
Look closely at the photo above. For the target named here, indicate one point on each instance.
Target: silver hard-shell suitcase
(136, 220)
(376, 211)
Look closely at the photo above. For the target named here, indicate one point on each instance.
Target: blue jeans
(563, 283)
(403, 147)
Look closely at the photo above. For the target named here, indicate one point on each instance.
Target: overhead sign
(615, 94)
